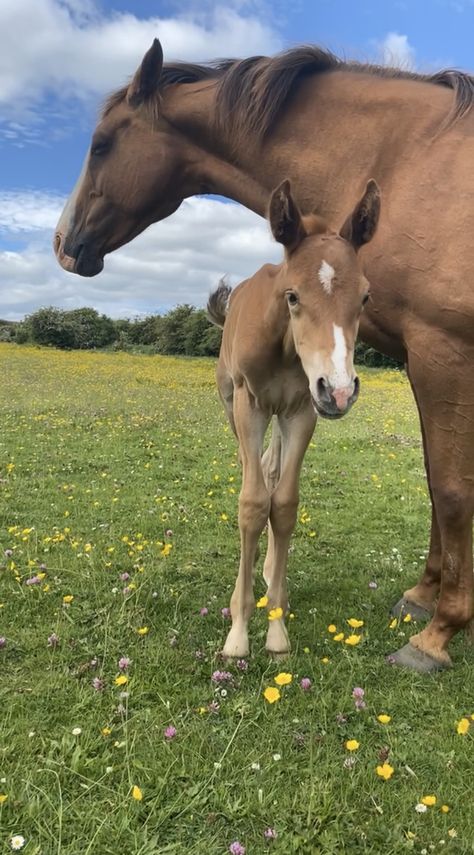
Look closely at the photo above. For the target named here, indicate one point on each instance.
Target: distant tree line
(183, 331)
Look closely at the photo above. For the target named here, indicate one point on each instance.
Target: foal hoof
(282, 656)
(406, 607)
(412, 657)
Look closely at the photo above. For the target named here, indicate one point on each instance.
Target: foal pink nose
(342, 396)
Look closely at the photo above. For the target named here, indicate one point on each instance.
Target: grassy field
(119, 541)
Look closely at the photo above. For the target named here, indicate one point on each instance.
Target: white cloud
(177, 261)
(69, 49)
(397, 51)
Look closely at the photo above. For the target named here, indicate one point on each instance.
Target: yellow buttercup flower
(444, 808)
(462, 726)
(143, 630)
(393, 623)
(354, 623)
(106, 731)
(325, 660)
(352, 640)
(429, 801)
(3, 798)
(332, 628)
(352, 745)
(275, 614)
(137, 793)
(68, 599)
(385, 771)
(271, 694)
(262, 603)
(121, 680)
(166, 549)
(283, 679)
(339, 636)
(384, 719)
(407, 618)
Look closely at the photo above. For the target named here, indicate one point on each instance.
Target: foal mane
(252, 93)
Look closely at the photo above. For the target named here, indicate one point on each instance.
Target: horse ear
(361, 225)
(285, 219)
(146, 79)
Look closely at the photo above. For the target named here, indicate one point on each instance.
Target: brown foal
(287, 350)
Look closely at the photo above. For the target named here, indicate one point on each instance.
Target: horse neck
(339, 129)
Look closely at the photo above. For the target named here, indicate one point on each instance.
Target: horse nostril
(57, 242)
(322, 387)
(356, 385)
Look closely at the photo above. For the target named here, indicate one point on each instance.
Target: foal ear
(361, 225)
(285, 219)
(146, 79)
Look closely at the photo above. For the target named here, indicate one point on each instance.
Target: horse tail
(218, 303)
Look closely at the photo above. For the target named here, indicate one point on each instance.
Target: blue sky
(58, 58)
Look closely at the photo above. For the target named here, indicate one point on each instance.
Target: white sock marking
(326, 274)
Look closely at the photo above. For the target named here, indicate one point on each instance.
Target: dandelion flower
(462, 726)
(429, 801)
(271, 694)
(354, 623)
(121, 680)
(384, 719)
(275, 614)
(352, 745)
(385, 771)
(262, 602)
(143, 630)
(352, 640)
(283, 678)
(137, 793)
(17, 842)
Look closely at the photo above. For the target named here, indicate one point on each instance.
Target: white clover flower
(76, 731)
(420, 808)
(17, 842)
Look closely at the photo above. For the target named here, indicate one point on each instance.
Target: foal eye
(292, 298)
(365, 299)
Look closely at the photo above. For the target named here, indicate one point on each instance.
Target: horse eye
(292, 298)
(365, 298)
(99, 148)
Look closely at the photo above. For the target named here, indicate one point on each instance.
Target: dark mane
(252, 93)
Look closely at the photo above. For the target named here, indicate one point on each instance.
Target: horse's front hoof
(412, 657)
(406, 607)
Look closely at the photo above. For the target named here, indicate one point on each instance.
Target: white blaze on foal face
(340, 376)
(326, 275)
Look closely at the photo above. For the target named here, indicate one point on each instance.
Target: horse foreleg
(271, 466)
(296, 434)
(446, 399)
(254, 507)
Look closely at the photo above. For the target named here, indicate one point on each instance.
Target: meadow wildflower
(270, 834)
(17, 842)
(429, 801)
(462, 726)
(276, 757)
(124, 577)
(67, 599)
(3, 798)
(76, 731)
(338, 637)
(121, 680)
(220, 677)
(137, 793)
(332, 628)
(384, 719)
(262, 602)
(283, 678)
(352, 745)
(143, 630)
(124, 663)
(354, 623)
(204, 611)
(170, 732)
(33, 580)
(242, 665)
(225, 612)
(421, 808)
(444, 808)
(271, 694)
(275, 614)
(53, 640)
(385, 771)
(3, 642)
(236, 848)
(98, 684)
(373, 585)
(305, 684)
(353, 640)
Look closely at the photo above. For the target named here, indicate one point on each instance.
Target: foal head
(325, 290)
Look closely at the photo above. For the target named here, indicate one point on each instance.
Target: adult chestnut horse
(238, 128)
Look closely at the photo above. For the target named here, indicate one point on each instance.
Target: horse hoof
(406, 607)
(282, 656)
(412, 657)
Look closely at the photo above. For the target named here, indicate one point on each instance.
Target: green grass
(101, 456)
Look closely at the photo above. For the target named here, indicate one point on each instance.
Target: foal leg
(296, 435)
(254, 506)
(271, 465)
(447, 401)
(420, 601)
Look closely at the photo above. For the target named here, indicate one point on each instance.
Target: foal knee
(454, 504)
(254, 509)
(284, 509)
